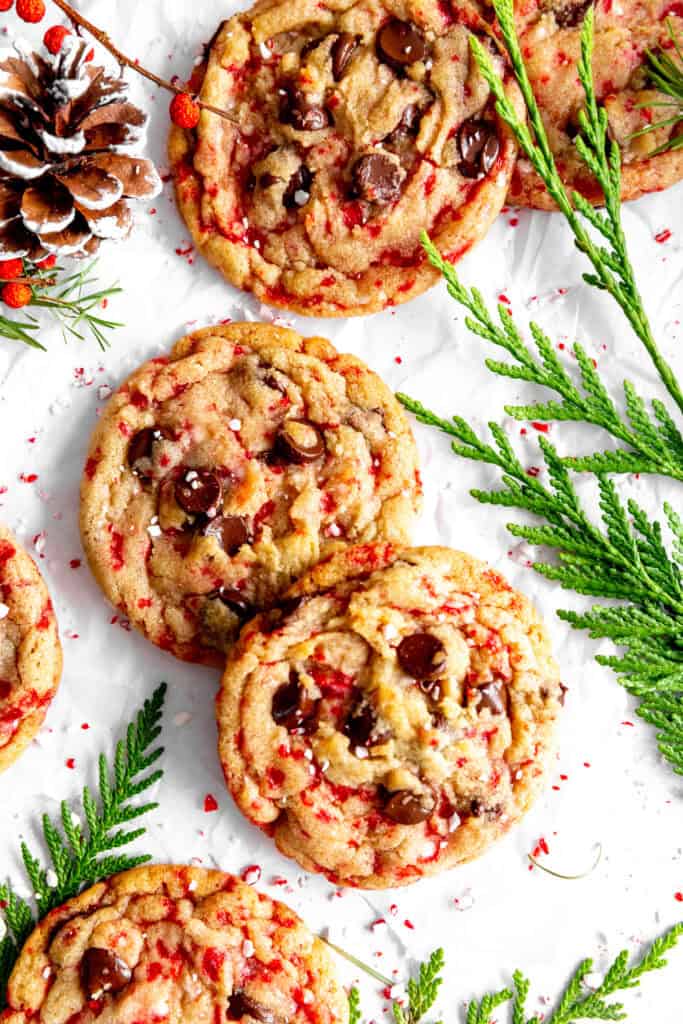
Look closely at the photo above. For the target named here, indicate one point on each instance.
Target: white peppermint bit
(4, 611)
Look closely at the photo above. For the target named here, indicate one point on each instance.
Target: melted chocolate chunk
(234, 600)
(406, 808)
(342, 51)
(478, 809)
(409, 125)
(231, 532)
(292, 706)
(302, 115)
(198, 490)
(479, 147)
(361, 728)
(493, 696)
(298, 191)
(377, 178)
(267, 180)
(400, 44)
(570, 13)
(241, 1005)
(103, 971)
(141, 446)
(300, 442)
(421, 655)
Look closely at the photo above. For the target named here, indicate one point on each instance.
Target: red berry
(54, 38)
(48, 263)
(16, 295)
(31, 10)
(9, 269)
(5, 4)
(185, 111)
(90, 55)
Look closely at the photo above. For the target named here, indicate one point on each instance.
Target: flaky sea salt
(4, 611)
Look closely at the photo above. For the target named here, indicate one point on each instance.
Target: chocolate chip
(564, 690)
(267, 180)
(342, 51)
(571, 12)
(231, 532)
(103, 971)
(478, 809)
(408, 808)
(377, 178)
(298, 191)
(361, 728)
(198, 490)
(493, 696)
(292, 706)
(234, 600)
(400, 43)
(141, 447)
(409, 124)
(241, 1005)
(296, 110)
(300, 441)
(479, 147)
(421, 655)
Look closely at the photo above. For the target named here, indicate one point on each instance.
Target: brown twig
(104, 40)
(34, 282)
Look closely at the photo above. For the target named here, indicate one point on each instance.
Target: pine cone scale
(64, 182)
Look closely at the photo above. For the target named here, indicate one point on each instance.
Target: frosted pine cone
(67, 166)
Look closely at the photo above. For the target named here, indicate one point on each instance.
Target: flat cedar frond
(626, 556)
(82, 855)
(575, 1003)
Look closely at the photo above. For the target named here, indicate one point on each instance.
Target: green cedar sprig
(654, 442)
(576, 1003)
(612, 268)
(82, 856)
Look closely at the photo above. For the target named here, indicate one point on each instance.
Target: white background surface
(491, 916)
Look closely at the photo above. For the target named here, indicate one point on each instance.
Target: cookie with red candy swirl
(358, 126)
(218, 475)
(391, 719)
(174, 944)
(30, 652)
(550, 38)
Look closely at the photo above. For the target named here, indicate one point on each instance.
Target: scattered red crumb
(75, 563)
(663, 236)
(398, 359)
(28, 478)
(409, 924)
(628, 723)
(70, 762)
(678, 896)
(210, 803)
(85, 726)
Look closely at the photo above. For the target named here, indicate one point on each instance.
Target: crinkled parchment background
(609, 784)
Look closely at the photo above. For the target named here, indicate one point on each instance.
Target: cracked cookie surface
(624, 32)
(218, 475)
(30, 652)
(393, 717)
(177, 944)
(361, 124)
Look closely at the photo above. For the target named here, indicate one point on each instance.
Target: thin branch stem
(104, 40)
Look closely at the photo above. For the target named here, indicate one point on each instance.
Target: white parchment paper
(609, 785)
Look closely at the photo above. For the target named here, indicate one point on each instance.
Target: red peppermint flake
(678, 896)
(542, 428)
(663, 236)
(210, 803)
(75, 563)
(85, 726)
(70, 762)
(409, 924)
(28, 478)
(251, 874)
(629, 723)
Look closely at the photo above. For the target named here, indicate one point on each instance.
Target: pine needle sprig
(655, 444)
(74, 301)
(612, 268)
(666, 74)
(576, 1003)
(82, 855)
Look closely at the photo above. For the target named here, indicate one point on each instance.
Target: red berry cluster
(13, 293)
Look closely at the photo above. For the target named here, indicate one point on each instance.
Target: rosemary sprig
(81, 856)
(612, 268)
(576, 1002)
(667, 76)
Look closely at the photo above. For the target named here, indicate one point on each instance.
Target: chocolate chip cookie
(393, 717)
(174, 944)
(30, 652)
(625, 31)
(360, 125)
(218, 475)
